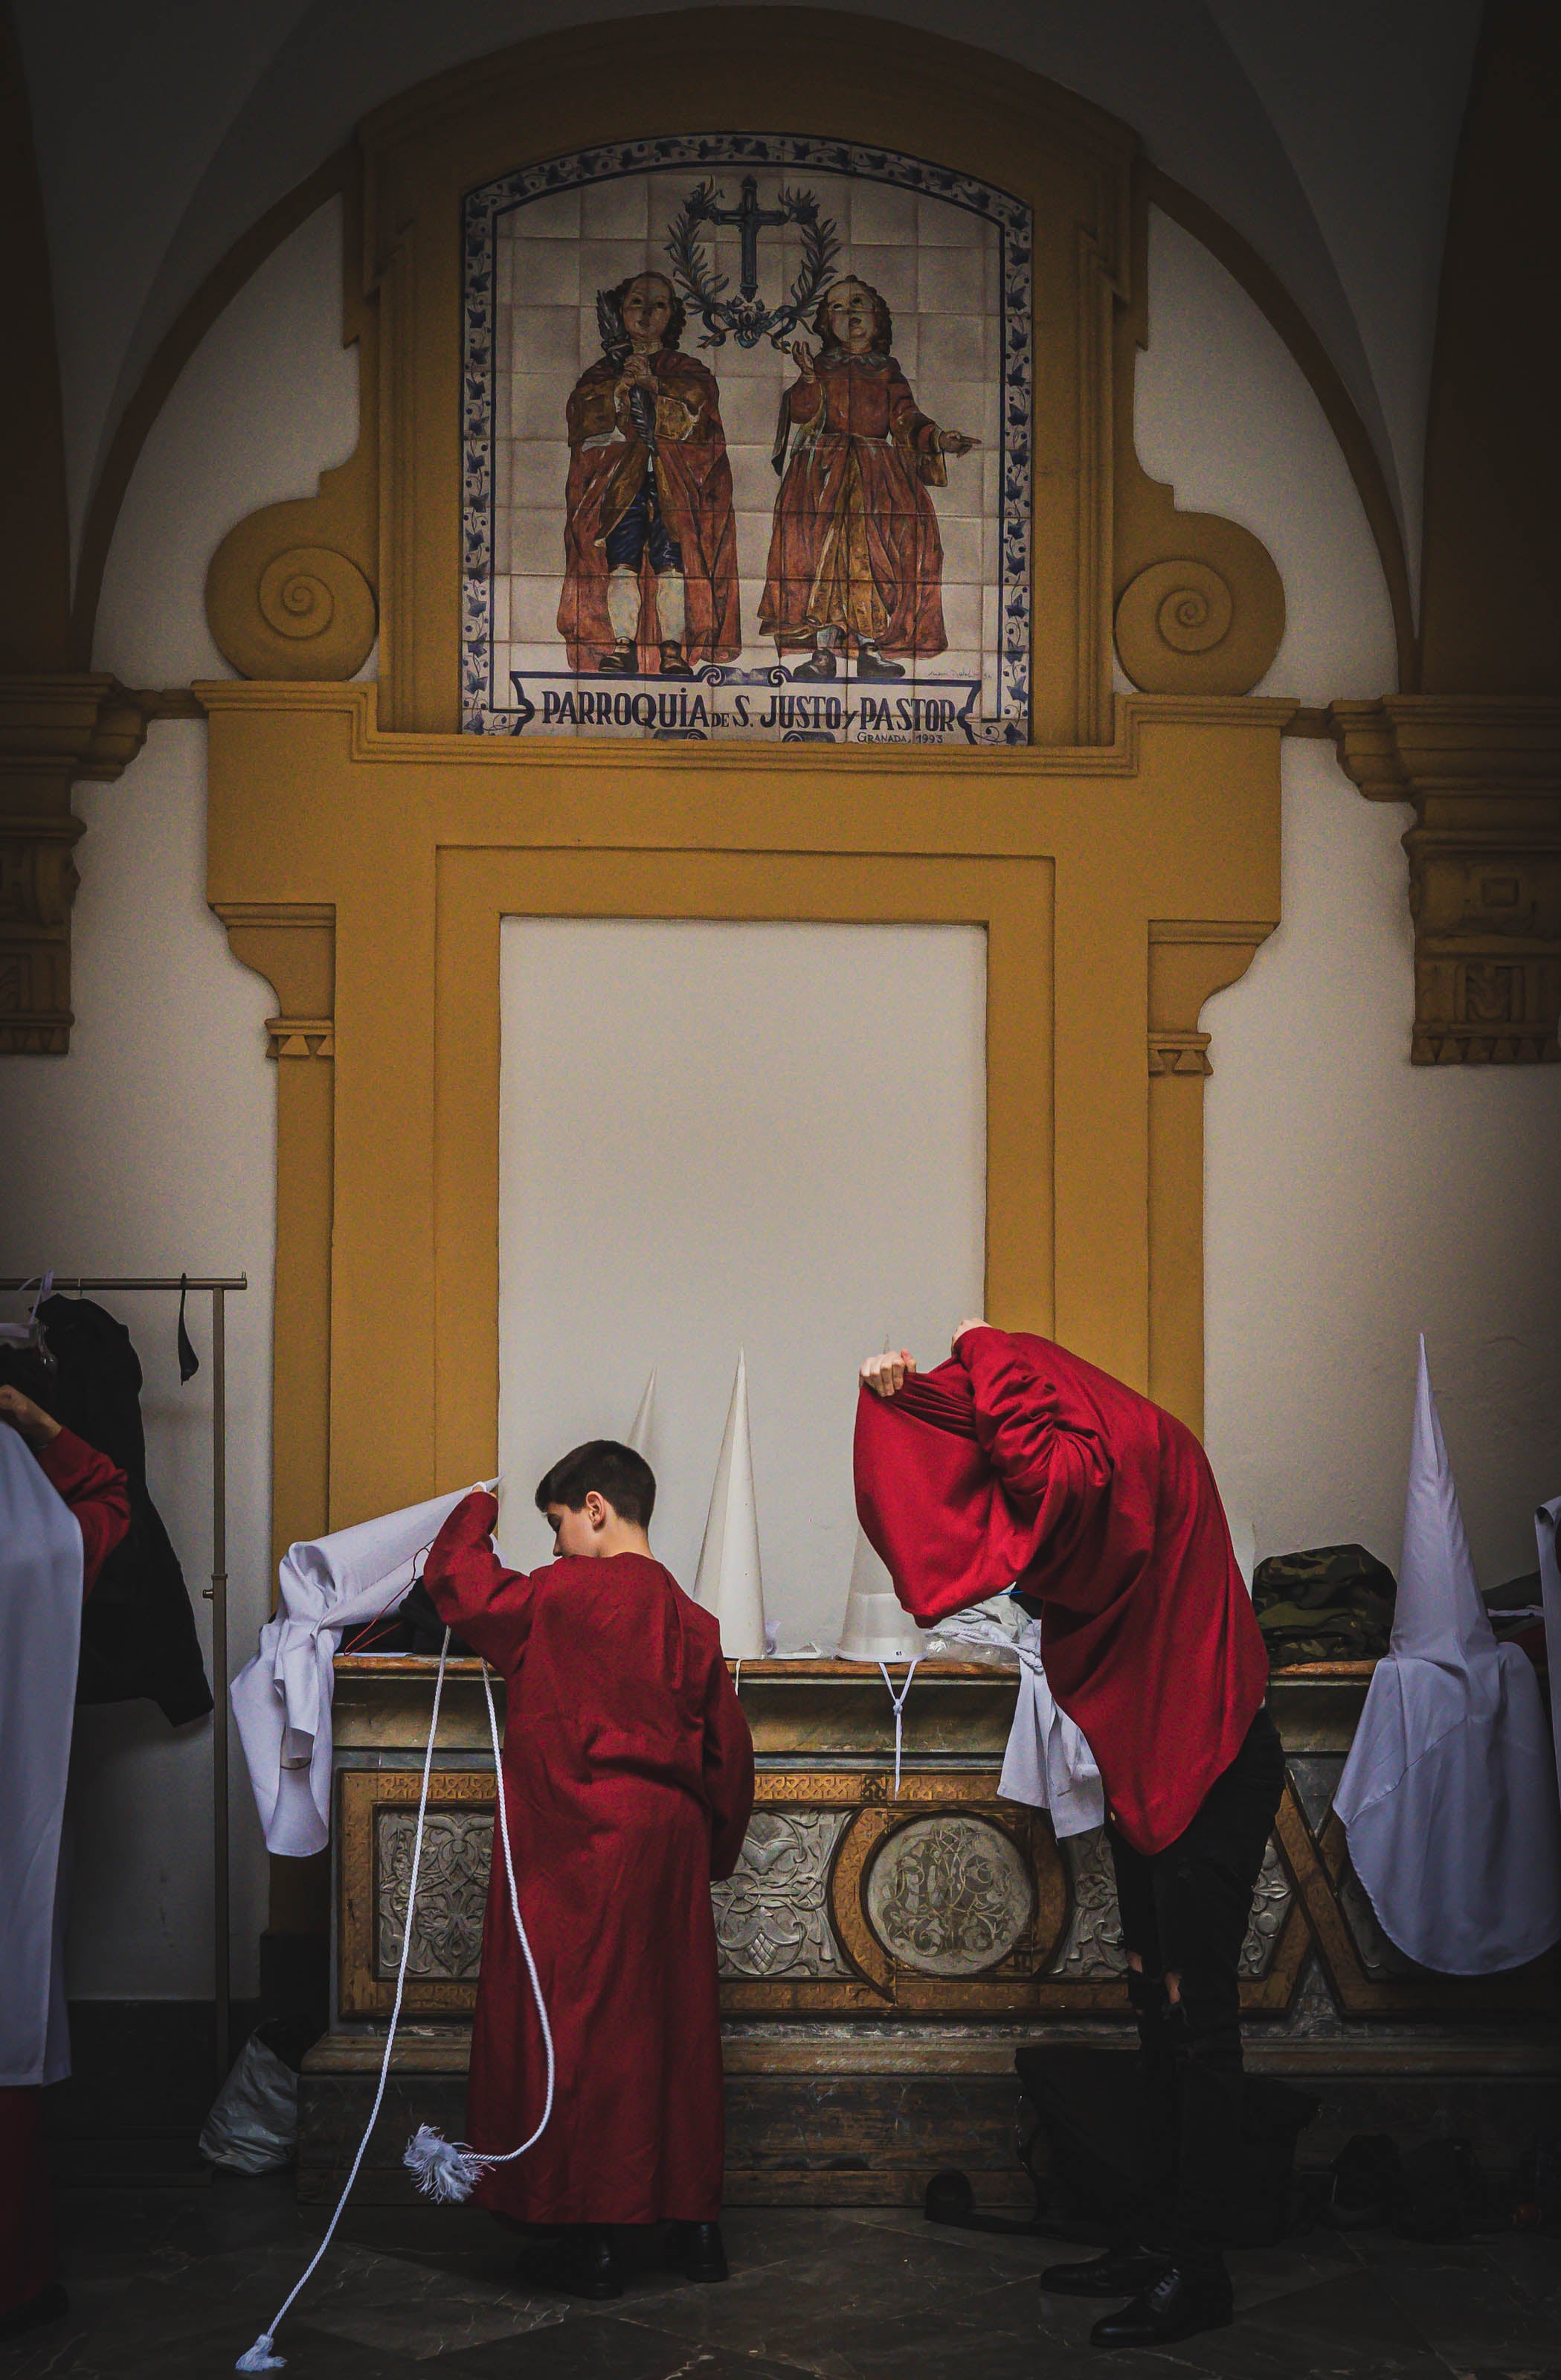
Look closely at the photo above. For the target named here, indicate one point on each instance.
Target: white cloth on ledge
(282, 1698)
(1047, 1764)
(1448, 1797)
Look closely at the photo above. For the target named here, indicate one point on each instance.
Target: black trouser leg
(1185, 1912)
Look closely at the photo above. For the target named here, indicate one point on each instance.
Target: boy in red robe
(98, 1496)
(1017, 1461)
(628, 1776)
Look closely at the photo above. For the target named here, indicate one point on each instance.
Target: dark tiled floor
(168, 2285)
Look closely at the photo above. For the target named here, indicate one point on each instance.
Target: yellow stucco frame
(365, 875)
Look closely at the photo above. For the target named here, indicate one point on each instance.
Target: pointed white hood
(877, 1626)
(728, 1582)
(1448, 1797)
(642, 1430)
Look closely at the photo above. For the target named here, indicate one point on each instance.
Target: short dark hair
(616, 1474)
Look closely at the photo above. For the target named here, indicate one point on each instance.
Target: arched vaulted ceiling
(1325, 135)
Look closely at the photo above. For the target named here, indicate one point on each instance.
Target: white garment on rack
(1047, 1763)
(1448, 1797)
(41, 1594)
(282, 1698)
(1547, 1529)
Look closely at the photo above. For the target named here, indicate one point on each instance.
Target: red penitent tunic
(628, 1778)
(1018, 1463)
(96, 1492)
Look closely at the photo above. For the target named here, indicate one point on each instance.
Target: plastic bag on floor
(253, 2126)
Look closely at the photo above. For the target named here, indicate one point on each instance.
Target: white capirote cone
(1448, 1797)
(876, 1627)
(643, 1423)
(729, 1581)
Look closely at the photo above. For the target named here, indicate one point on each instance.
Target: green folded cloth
(1331, 1603)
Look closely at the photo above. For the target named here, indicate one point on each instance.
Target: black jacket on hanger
(138, 1630)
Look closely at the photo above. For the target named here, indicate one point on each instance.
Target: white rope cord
(260, 2358)
(898, 1702)
(446, 2169)
(511, 2154)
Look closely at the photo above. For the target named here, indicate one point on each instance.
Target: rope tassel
(444, 2169)
(260, 2358)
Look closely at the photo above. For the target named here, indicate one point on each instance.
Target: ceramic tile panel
(620, 446)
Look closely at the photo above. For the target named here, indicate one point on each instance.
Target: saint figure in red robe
(856, 559)
(650, 542)
(628, 1778)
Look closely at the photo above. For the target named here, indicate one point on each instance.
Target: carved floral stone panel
(772, 1913)
(949, 1896)
(451, 1892)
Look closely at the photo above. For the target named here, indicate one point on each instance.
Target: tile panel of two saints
(855, 562)
(750, 457)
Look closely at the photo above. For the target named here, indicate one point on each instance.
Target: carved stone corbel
(292, 589)
(54, 730)
(1198, 604)
(1483, 772)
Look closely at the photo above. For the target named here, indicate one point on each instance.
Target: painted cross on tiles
(747, 448)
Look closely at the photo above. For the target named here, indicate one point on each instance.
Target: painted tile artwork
(747, 427)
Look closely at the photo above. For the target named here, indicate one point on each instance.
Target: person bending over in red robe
(628, 1778)
(1016, 1463)
(99, 1496)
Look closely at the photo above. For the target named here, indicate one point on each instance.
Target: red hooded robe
(1017, 1462)
(628, 1776)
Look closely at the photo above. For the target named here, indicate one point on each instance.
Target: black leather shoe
(1119, 2273)
(700, 2252)
(1174, 2306)
(580, 2264)
(821, 667)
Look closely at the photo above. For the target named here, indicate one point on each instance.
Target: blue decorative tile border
(480, 713)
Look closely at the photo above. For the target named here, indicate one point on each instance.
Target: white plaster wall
(714, 1135)
(152, 1146)
(1352, 1199)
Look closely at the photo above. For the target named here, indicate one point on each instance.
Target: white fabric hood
(1448, 1797)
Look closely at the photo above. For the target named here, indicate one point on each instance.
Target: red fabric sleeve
(487, 1607)
(97, 1493)
(1055, 1470)
(729, 1772)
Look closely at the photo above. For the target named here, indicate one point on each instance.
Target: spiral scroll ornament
(307, 611)
(1183, 627)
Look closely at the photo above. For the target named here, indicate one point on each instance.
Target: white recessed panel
(715, 1135)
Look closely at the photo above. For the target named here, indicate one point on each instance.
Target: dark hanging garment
(137, 1631)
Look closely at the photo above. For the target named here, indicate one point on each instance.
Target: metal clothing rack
(218, 1287)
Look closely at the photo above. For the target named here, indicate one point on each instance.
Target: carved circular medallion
(948, 1896)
